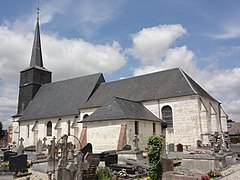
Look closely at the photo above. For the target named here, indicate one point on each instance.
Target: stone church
(110, 114)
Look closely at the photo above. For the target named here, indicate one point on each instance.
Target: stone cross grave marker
(20, 148)
(136, 140)
(39, 146)
(44, 147)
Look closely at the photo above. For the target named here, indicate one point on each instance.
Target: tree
(155, 147)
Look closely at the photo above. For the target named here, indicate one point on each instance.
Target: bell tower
(33, 77)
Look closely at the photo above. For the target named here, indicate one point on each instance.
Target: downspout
(18, 132)
(219, 114)
(158, 108)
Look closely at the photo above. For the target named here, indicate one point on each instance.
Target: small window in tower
(49, 128)
(26, 78)
(42, 78)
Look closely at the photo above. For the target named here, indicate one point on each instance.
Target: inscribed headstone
(8, 154)
(18, 163)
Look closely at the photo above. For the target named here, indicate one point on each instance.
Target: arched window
(85, 116)
(49, 128)
(167, 115)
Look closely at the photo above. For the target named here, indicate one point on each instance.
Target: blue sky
(123, 38)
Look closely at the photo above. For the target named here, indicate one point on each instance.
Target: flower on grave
(214, 174)
(205, 177)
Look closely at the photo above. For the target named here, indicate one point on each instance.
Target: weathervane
(38, 10)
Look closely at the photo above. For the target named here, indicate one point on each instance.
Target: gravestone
(21, 147)
(111, 159)
(8, 154)
(18, 163)
(136, 140)
(171, 147)
(39, 146)
(87, 149)
(179, 147)
(93, 161)
(126, 147)
(44, 146)
(199, 143)
(167, 164)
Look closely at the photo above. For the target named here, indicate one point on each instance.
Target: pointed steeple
(36, 58)
(34, 76)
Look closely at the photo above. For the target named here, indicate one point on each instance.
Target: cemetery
(62, 160)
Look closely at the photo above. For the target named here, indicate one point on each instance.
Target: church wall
(104, 135)
(185, 114)
(145, 130)
(224, 118)
(15, 129)
(40, 131)
(26, 132)
(194, 118)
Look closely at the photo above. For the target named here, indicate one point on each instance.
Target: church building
(110, 114)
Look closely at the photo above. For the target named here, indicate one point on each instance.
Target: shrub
(155, 147)
(235, 139)
(103, 173)
(4, 164)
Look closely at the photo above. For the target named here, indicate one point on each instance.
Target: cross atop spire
(38, 11)
(36, 58)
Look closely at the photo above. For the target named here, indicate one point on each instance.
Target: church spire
(36, 58)
(33, 77)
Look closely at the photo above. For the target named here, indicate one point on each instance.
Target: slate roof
(62, 98)
(160, 85)
(36, 57)
(234, 128)
(117, 109)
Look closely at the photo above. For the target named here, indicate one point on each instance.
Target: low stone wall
(203, 163)
(235, 147)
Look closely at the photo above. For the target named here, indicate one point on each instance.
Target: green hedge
(235, 139)
(155, 147)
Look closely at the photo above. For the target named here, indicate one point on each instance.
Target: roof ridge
(184, 75)
(64, 80)
(120, 98)
(142, 75)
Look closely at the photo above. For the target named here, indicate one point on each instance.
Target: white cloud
(64, 57)
(151, 44)
(153, 47)
(228, 31)
(74, 57)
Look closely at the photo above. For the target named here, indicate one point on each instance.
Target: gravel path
(34, 176)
